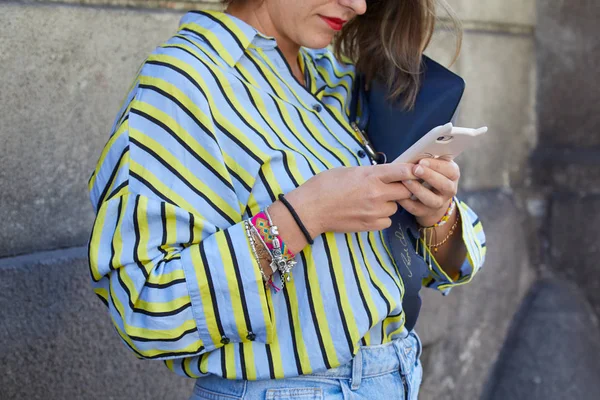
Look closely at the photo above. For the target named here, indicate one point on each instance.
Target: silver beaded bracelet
(279, 262)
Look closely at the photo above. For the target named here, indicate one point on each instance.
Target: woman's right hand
(351, 199)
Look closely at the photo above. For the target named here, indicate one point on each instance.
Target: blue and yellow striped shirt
(214, 127)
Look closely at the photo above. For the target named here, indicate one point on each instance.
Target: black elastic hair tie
(287, 204)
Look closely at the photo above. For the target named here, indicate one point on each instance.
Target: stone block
(552, 349)
(65, 72)
(503, 11)
(568, 44)
(57, 341)
(464, 331)
(573, 170)
(574, 242)
(499, 72)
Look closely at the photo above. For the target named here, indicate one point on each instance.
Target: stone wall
(65, 67)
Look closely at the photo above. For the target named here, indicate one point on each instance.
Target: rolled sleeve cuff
(474, 240)
(228, 296)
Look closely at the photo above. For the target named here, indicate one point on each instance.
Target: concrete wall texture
(65, 68)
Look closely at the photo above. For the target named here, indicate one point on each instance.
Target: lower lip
(336, 26)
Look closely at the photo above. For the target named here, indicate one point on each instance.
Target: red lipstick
(334, 23)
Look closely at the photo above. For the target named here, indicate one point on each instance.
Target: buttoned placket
(312, 103)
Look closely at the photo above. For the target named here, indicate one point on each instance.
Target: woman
(222, 119)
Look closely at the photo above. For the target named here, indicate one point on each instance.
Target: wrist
(436, 217)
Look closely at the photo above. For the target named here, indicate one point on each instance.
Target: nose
(358, 6)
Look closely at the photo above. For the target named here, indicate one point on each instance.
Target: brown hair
(387, 42)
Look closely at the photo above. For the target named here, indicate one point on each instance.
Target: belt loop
(357, 370)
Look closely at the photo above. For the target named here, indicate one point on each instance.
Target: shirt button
(251, 337)
(317, 107)
(225, 340)
(362, 154)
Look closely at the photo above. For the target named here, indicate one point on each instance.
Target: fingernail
(419, 170)
(424, 162)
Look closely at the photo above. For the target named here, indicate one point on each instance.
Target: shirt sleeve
(474, 238)
(168, 253)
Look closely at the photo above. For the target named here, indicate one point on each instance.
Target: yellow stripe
(213, 39)
(364, 286)
(339, 280)
(249, 360)
(265, 297)
(230, 361)
(234, 292)
(282, 106)
(319, 306)
(165, 278)
(300, 345)
(387, 322)
(312, 128)
(190, 177)
(95, 242)
(220, 118)
(167, 191)
(107, 147)
(204, 290)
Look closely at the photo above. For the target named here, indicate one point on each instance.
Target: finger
(396, 191)
(415, 207)
(438, 181)
(389, 173)
(448, 168)
(426, 196)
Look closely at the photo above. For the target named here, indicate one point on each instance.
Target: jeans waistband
(400, 355)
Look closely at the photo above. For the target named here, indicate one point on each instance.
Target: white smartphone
(446, 141)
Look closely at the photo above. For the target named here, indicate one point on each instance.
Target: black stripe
(146, 312)
(200, 358)
(237, 40)
(483, 245)
(228, 134)
(112, 177)
(379, 290)
(143, 339)
(476, 222)
(192, 222)
(163, 217)
(136, 229)
(234, 109)
(238, 278)
(363, 341)
(313, 313)
(380, 262)
(165, 285)
(178, 354)
(178, 174)
(151, 187)
(112, 300)
(223, 363)
(211, 288)
(270, 361)
(111, 264)
(184, 369)
(333, 67)
(117, 189)
(350, 133)
(292, 330)
(180, 140)
(355, 273)
(338, 298)
(276, 101)
(243, 361)
(102, 299)
(201, 36)
(300, 117)
(261, 174)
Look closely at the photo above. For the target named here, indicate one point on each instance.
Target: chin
(318, 41)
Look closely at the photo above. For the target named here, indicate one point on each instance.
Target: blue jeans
(388, 371)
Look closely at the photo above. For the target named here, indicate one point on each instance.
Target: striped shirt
(214, 127)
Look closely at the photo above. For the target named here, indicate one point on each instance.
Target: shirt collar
(229, 36)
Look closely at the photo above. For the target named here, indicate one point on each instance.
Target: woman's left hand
(431, 204)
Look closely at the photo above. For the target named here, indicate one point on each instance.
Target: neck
(259, 18)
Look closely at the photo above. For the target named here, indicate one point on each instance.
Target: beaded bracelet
(283, 264)
(446, 217)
